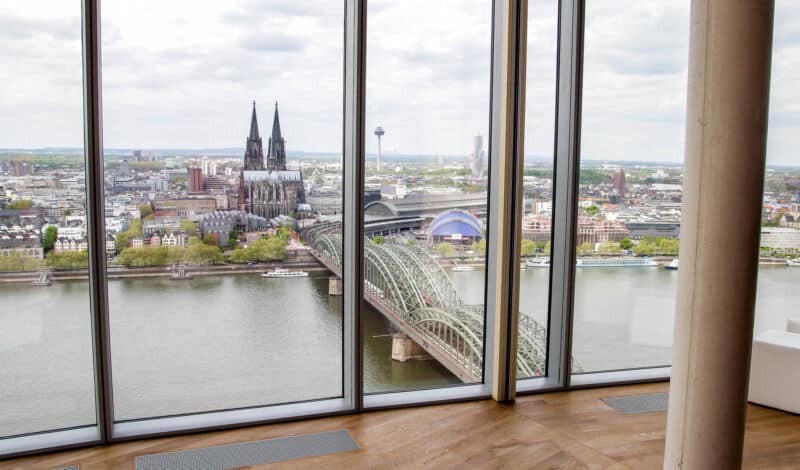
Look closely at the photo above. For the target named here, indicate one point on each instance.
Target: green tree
(134, 230)
(189, 227)
(145, 210)
(233, 239)
(609, 247)
(16, 262)
(50, 236)
(198, 252)
(378, 239)
(20, 204)
(446, 249)
(626, 243)
(479, 247)
(585, 249)
(68, 261)
(592, 210)
(267, 249)
(528, 248)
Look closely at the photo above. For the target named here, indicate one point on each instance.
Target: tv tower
(379, 132)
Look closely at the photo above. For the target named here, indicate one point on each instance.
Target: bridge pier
(404, 348)
(334, 286)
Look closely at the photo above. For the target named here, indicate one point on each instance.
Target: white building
(780, 238)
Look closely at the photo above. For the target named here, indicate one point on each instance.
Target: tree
(189, 227)
(267, 249)
(16, 262)
(233, 239)
(585, 249)
(626, 243)
(68, 261)
(609, 247)
(378, 239)
(528, 248)
(479, 247)
(446, 249)
(145, 210)
(134, 230)
(50, 236)
(199, 253)
(592, 210)
(21, 204)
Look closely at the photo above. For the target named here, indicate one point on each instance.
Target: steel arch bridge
(412, 290)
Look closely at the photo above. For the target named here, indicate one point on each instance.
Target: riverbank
(122, 272)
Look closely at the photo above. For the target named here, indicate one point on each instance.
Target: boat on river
(461, 267)
(283, 272)
(615, 262)
(793, 262)
(672, 265)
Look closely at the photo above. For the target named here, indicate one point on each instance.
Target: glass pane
(779, 273)
(537, 184)
(223, 136)
(427, 115)
(46, 360)
(631, 174)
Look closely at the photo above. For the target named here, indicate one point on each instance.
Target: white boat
(462, 268)
(673, 265)
(793, 262)
(616, 262)
(282, 272)
(538, 263)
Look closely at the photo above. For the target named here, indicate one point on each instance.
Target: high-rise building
(22, 168)
(379, 132)
(195, 180)
(619, 182)
(477, 157)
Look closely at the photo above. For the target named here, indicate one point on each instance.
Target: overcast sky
(184, 73)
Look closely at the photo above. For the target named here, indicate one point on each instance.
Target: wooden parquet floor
(563, 430)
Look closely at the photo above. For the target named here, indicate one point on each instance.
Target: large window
(537, 189)
(427, 133)
(628, 221)
(240, 140)
(46, 335)
(778, 296)
(223, 138)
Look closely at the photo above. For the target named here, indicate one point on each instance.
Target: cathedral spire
(254, 151)
(276, 126)
(276, 152)
(254, 123)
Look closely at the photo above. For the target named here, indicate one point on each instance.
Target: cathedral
(268, 190)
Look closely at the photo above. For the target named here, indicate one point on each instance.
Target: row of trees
(262, 250)
(196, 252)
(68, 261)
(16, 262)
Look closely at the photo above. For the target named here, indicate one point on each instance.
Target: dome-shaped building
(455, 225)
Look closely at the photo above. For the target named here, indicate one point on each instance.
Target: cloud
(274, 42)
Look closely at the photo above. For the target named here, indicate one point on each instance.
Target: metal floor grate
(250, 453)
(644, 403)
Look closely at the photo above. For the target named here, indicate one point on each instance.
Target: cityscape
(191, 233)
(177, 220)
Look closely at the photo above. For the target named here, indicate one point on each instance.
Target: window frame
(507, 115)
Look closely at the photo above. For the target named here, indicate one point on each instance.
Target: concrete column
(726, 130)
(404, 348)
(334, 286)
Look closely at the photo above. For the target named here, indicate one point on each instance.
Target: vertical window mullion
(353, 210)
(93, 144)
(565, 190)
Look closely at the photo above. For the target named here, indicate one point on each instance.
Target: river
(241, 340)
